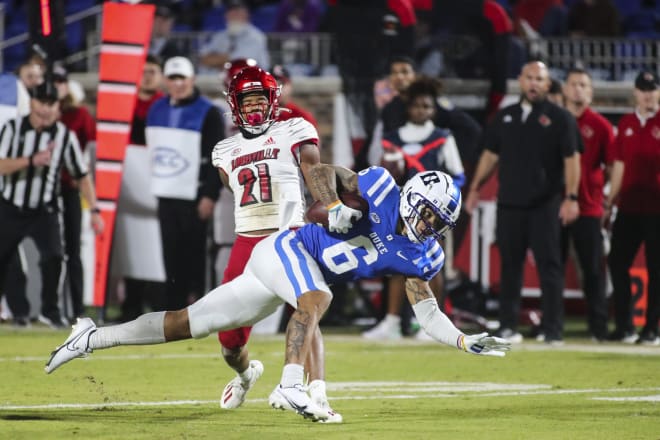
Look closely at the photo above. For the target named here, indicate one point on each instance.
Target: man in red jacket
(636, 180)
(585, 233)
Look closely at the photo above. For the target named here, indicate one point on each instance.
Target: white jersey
(264, 175)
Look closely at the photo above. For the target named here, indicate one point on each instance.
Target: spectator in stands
(33, 149)
(241, 39)
(598, 140)
(298, 16)
(76, 118)
(30, 73)
(635, 180)
(140, 291)
(594, 18)
(182, 129)
(537, 193)
(417, 146)
(162, 43)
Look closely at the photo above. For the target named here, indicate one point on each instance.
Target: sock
(145, 330)
(292, 374)
(317, 390)
(246, 375)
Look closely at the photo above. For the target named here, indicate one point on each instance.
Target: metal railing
(607, 59)
(306, 53)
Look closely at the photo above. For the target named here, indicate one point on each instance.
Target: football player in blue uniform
(399, 235)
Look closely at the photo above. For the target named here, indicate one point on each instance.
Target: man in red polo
(598, 139)
(636, 180)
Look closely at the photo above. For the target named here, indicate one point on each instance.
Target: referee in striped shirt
(33, 150)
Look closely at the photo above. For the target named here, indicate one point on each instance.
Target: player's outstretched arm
(440, 327)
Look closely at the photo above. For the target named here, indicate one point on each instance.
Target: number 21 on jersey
(247, 179)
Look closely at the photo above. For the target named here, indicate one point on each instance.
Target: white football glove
(484, 344)
(340, 217)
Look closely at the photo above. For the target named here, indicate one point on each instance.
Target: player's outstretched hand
(341, 217)
(485, 344)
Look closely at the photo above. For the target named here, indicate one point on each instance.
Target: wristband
(572, 197)
(95, 210)
(333, 204)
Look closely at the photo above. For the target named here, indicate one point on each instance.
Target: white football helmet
(436, 191)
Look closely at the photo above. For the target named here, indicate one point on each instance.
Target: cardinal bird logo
(545, 121)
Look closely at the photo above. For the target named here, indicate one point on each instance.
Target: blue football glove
(484, 344)
(340, 217)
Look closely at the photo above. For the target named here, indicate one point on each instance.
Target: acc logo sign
(167, 162)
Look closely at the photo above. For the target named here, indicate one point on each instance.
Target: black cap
(60, 73)
(45, 91)
(647, 80)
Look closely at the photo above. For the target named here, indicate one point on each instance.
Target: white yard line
(412, 390)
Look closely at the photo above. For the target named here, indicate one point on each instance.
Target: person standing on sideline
(636, 181)
(182, 129)
(262, 165)
(33, 150)
(585, 233)
(77, 119)
(399, 234)
(535, 143)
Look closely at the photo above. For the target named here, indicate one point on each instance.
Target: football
(318, 213)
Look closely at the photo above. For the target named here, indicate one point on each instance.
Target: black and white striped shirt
(35, 187)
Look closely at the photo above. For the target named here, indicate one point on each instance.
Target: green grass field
(400, 390)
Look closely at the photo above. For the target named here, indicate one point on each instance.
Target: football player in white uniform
(261, 165)
(223, 214)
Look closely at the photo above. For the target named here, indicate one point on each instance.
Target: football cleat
(233, 395)
(384, 331)
(317, 393)
(296, 399)
(75, 346)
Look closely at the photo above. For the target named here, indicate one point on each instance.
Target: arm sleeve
(436, 323)
(489, 137)
(213, 131)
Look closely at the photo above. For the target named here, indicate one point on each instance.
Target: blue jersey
(372, 246)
